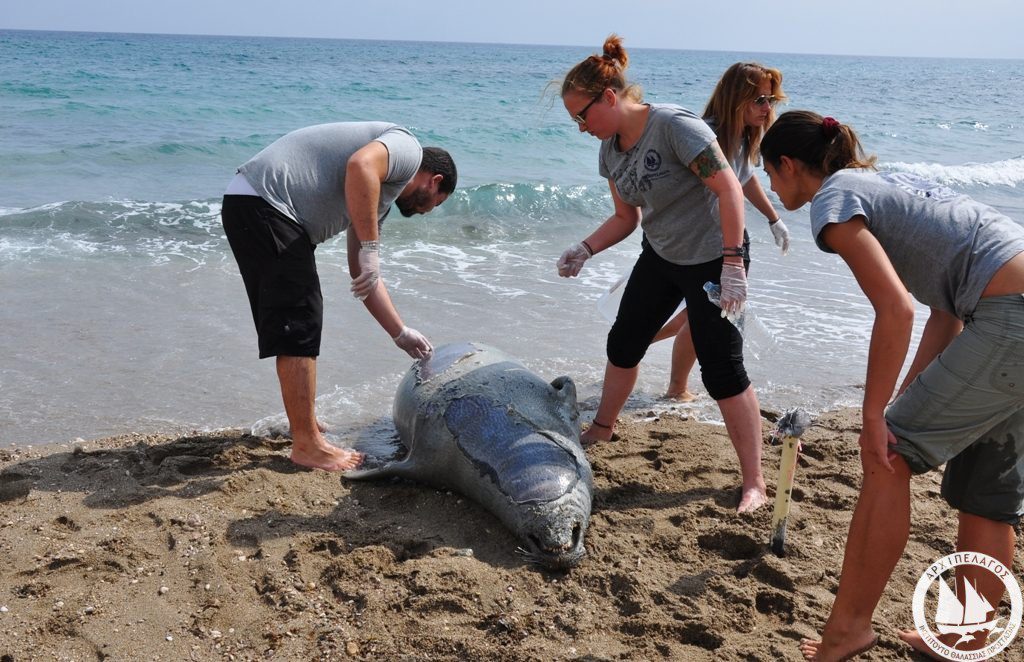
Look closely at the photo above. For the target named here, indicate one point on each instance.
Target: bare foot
(752, 499)
(597, 432)
(326, 457)
(917, 643)
(683, 395)
(817, 651)
(913, 638)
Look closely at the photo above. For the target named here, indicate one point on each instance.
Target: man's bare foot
(598, 432)
(680, 395)
(326, 457)
(752, 499)
(817, 651)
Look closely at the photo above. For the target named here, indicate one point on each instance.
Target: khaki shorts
(966, 410)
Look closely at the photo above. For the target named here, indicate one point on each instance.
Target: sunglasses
(766, 100)
(581, 117)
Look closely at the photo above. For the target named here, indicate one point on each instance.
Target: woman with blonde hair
(740, 110)
(661, 162)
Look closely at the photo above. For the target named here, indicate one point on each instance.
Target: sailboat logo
(970, 615)
(966, 618)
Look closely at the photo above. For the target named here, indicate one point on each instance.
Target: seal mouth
(563, 557)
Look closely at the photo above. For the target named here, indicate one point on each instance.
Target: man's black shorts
(275, 257)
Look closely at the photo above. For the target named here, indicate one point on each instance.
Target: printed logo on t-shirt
(631, 184)
(652, 159)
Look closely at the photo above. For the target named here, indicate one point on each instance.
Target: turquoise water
(123, 310)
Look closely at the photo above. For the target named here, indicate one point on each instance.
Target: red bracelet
(587, 246)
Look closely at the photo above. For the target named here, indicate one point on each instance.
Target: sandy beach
(214, 546)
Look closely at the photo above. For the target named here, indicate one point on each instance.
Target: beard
(412, 203)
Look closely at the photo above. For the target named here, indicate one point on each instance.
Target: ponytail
(823, 144)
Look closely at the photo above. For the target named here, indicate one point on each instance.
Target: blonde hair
(738, 86)
(600, 72)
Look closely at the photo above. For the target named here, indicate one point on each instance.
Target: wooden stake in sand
(788, 432)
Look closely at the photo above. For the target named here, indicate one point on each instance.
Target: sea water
(123, 311)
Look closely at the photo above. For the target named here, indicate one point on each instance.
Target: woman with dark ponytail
(668, 175)
(962, 401)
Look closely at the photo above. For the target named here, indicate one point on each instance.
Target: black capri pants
(654, 290)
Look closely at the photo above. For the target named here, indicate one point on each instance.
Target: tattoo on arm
(708, 162)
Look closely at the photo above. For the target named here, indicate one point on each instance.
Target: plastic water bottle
(714, 292)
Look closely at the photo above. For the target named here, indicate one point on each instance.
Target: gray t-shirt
(944, 246)
(740, 162)
(302, 174)
(680, 214)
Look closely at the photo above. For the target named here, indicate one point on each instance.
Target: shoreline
(214, 545)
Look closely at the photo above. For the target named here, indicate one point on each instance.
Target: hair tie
(830, 127)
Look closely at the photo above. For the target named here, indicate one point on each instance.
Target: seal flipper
(381, 457)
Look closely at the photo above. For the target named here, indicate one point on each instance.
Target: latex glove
(781, 234)
(369, 270)
(572, 260)
(734, 288)
(414, 343)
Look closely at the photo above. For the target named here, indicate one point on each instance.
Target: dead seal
(473, 419)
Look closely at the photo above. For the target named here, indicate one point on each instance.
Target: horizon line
(502, 43)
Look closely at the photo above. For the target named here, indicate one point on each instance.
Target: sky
(929, 28)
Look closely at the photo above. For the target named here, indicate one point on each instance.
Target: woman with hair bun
(962, 401)
(668, 175)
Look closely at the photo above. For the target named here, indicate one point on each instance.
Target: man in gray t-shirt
(301, 190)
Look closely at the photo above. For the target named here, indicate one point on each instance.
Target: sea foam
(1009, 172)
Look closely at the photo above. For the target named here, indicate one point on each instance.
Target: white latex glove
(414, 343)
(572, 260)
(734, 288)
(781, 234)
(369, 270)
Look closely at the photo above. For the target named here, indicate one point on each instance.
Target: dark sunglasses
(581, 117)
(766, 100)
